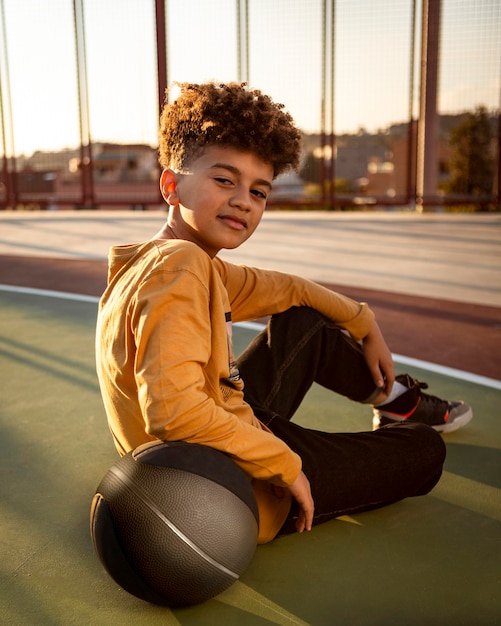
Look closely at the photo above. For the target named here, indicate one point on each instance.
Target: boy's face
(219, 201)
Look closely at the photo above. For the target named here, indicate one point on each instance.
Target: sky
(371, 71)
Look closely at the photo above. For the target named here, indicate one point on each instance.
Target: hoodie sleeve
(257, 293)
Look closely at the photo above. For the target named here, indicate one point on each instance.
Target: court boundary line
(435, 368)
(49, 293)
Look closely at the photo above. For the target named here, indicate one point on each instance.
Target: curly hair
(227, 115)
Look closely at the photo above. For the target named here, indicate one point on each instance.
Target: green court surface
(434, 560)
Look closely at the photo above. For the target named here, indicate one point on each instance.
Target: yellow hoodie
(163, 354)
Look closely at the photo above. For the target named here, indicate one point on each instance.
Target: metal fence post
(427, 148)
(87, 180)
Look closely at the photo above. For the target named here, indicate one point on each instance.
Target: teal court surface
(434, 560)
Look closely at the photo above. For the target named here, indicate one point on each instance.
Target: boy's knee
(428, 440)
(304, 317)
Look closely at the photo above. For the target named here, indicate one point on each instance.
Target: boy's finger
(377, 377)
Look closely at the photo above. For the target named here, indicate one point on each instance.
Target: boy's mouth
(233, 221)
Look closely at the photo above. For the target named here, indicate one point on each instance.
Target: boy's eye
(223, 180)
(260, 194)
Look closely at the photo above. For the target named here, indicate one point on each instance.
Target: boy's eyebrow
(235, 170)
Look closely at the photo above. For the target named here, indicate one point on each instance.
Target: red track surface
(456, 334)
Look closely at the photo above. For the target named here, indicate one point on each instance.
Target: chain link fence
(398, 102)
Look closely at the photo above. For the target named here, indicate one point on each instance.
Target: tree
(471, 164)
(311, 169)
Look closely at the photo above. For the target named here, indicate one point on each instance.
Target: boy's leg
(347, 472)
(354, 472)
(299, 347)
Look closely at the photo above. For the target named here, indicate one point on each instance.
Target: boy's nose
(241, 199)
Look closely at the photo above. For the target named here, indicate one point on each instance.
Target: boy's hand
(300, 489)
(378, 358)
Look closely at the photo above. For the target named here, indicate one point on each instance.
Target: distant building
(123, 176)
(288, 186)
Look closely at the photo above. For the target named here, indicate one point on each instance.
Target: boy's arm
(256, 293)
(173, 330)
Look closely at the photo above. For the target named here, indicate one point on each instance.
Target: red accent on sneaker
(404, 415)
(446, 416)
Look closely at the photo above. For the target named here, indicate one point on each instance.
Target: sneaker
(416, 406)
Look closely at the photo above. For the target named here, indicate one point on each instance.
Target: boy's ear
(168, 187)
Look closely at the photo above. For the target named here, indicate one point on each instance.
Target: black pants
(348, 472)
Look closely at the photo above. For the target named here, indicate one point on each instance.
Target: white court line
(48, 293)
(398, 358)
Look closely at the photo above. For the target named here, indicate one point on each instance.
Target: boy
(164, 354)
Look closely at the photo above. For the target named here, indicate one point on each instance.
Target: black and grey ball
(174, 523)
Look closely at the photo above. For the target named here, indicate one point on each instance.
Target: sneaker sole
(459, 422)
(447, 427)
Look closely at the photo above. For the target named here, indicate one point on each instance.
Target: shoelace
(427, 397)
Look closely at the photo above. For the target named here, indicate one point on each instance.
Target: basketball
(174, 523)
